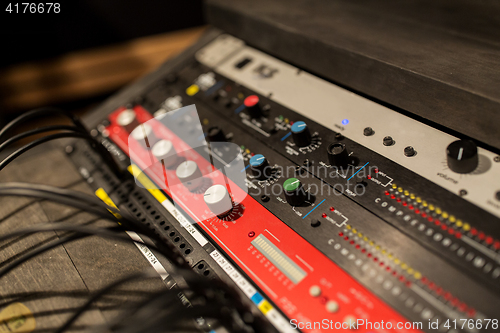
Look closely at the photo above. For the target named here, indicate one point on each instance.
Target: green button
(291, 184)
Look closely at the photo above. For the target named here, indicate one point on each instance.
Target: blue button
(257, 298)
(298, 127)
(257, 160)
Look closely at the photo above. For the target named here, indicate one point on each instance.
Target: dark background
(85, 24)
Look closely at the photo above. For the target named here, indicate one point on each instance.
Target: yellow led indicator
(419, 200)
(286, 120)
(438, 210)
(452, 219)
(205, 121)
(407, 192)
(394, 186)
(424, 203)
(397, 261)
(410, 270)
(348, 226)
(445, 215)
(404, 266)
(192, 90)
(354, 230)
(400, 189)
(360, 235)
(466, 227)
(265, 306)
(431, 207)
(412, 196)
(459, 223)
(241, 96)
(247, 151)
(417, 275)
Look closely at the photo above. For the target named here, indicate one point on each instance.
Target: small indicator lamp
(345, 121)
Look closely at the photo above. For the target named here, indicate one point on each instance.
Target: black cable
(39, 141)
(83, 205)
(37, 113)
(65, 192)
(167, 249)
(103, 152)
(100, 293)
(45, 129)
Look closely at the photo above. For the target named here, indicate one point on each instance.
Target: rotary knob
(462, 156)
(164, 152)
(216, 134)
(253, 106)
(128, 120)
(189, 174)
(294, 192)
(260, 167)
(337, 155)
(144, 135)
(218, 200)
(300, 134)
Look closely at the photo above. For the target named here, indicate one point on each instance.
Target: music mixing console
(324, 209)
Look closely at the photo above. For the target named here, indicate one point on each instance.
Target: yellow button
(192, 90)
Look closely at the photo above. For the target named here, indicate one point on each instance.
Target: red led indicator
(324, 215)
(251, 234)
(332, 209)
(376, 170)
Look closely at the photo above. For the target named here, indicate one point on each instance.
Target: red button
(251, 100)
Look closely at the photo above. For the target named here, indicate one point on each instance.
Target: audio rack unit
(321, 207)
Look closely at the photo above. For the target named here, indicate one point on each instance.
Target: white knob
(144, 135)
(164, 151)
(128, 120)
(189, 174)
(218, 200)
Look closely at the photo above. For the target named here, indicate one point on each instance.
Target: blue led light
(345, 121)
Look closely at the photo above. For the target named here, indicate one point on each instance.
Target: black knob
(388, 141)
(260, 167)
(294, 192)
(462, 156)
(368, 131)
(215, 134)
(337, 155)
(410, 151)
(253, 106)
(300, 134)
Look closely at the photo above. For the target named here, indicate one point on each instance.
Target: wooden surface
(62, 279)
(88, 73)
